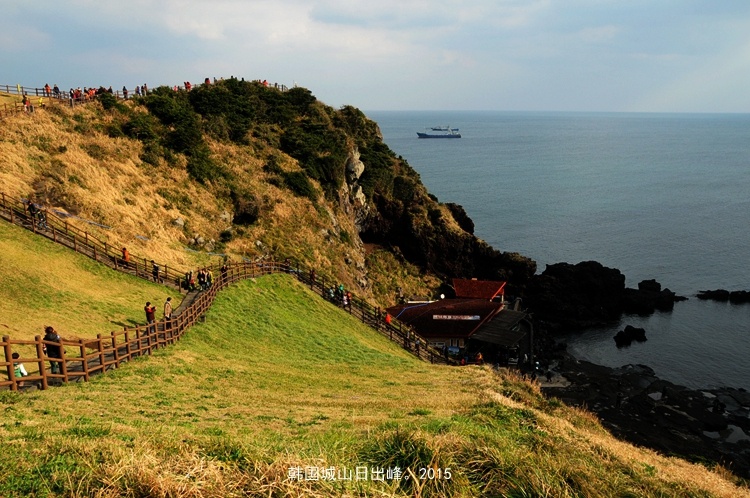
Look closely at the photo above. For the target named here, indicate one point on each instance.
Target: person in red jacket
(150, 317)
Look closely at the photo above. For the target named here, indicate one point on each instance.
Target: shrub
(298, 183)
(404, 189)
(141, 126)
(108, 101)
(201, 167)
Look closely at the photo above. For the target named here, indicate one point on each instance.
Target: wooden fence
(82, 358)
(40, 97)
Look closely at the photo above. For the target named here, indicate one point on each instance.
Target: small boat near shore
(444, 132)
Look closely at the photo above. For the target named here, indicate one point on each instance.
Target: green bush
(201, 167)
(108, 101)
(299, 183)
(141, 126)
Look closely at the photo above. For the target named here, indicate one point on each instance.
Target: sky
(506, 55)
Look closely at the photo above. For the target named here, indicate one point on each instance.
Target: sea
(657, 196)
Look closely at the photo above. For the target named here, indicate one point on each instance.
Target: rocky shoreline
(703, 425)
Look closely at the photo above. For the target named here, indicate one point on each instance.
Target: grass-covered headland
(280, 393)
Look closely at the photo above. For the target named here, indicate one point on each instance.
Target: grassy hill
(44, 283)
(277, 379)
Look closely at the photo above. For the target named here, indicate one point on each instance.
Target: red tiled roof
(477, 289)
(454, 318)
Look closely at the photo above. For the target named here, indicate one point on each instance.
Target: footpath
(85, 357)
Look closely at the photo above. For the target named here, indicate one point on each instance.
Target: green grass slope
(277, 382)
(44, 283)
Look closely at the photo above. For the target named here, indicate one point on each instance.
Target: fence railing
(58, 230)
(81, 358)
(43, 97)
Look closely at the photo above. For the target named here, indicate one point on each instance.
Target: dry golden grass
(62, 158)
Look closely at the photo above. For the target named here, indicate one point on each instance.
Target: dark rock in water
(637, 406)
(649, 286)
(569, 297)
(575, 296)
(630, 334)
(722, 295)
(714, 295)
(739, 297)
(648, 298)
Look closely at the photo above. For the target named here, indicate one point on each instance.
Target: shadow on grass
(128, 323)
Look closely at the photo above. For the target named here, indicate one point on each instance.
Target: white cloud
(533, 54)
(598, 34)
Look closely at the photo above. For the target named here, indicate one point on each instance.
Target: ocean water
(664, 196)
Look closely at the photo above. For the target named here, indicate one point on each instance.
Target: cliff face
(241, 169)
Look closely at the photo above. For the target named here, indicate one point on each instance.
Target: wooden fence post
(84, 363)
(11, 365)
(100, 345)
(116, 352)
(63, 364)
(40, 356)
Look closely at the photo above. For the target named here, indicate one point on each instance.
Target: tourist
(224, 271)
(54, 351)
(168, 313)
(155, 271)
(18, 369)
(124, 92)
(150, 317)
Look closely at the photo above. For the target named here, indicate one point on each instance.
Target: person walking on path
(155, 271)
(224, 271)
(53, 350)
(125, 256)
(150, 317)
(168, 313)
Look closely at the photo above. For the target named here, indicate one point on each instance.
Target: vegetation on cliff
(247, 170)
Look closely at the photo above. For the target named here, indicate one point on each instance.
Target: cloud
(520, 54)
(598, 34)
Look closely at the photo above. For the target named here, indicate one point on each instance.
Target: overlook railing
(40, 97)
(82, 358)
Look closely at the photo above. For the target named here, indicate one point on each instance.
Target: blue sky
(534, 55)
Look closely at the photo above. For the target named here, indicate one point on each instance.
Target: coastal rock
(648, 298)
(714, 295)
(739, 297)
(645, 410)
(571, 297)
(354, 166)
(649, 286)
(628, 335)
(358, 196)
